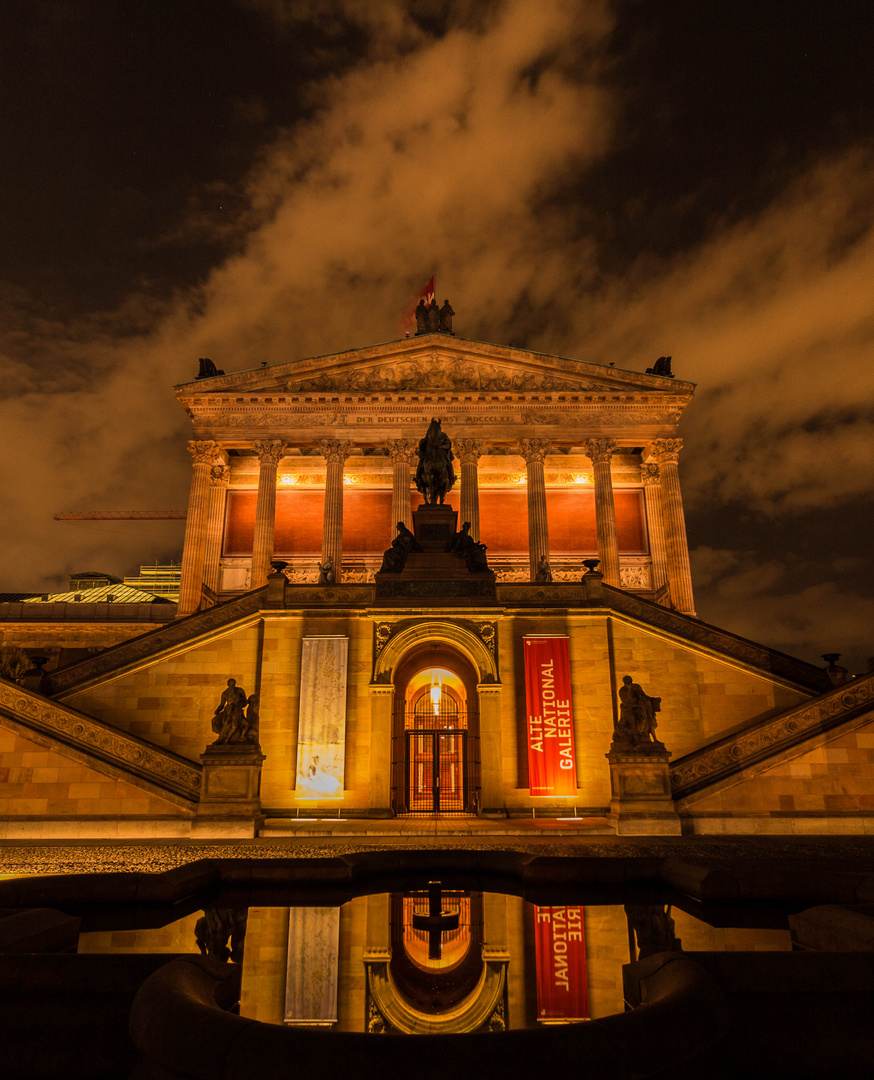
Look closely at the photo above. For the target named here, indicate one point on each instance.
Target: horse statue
(435, 475)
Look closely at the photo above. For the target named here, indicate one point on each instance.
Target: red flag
(408, 319)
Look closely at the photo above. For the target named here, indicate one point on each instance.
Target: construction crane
(122, 515)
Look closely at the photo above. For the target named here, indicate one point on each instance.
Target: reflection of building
(438, 691)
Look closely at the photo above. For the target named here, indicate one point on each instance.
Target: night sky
(264, 180)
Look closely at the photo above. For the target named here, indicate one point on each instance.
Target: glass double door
(436, 773)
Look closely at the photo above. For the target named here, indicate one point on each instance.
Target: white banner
(321, 733)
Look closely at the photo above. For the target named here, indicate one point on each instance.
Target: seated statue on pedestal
(394, 558)
(230, 722)
(543, 576)
(637, 721)
(465, 547)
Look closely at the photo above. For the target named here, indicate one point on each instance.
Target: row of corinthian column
(661, 482)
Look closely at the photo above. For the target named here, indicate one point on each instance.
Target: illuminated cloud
(453, 153)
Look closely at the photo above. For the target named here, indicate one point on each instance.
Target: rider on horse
(435, 475)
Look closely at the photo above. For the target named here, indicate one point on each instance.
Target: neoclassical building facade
(416, 693)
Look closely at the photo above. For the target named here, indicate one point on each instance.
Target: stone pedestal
(434, 571)
(640, 792)
(230, 798)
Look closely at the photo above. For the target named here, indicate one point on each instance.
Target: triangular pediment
(438, 363)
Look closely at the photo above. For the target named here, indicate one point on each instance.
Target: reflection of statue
(435, 475)
(215, 926)
(326, 571)
(637, 723)
(421, 318)
(543, 576)
(228, 721)
(433, 317)
(465, 547)
(395, 558)
(654, 929)
(446, 314)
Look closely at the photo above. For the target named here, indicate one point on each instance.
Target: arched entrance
(435, 734)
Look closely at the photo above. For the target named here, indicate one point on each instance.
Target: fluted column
(534, 451)
(335, 453)
(219, 476)
(655, 524)
(469, 452)
(601, 452)
(665, 453)
(402, 453)
(269, 454)
(191, 584)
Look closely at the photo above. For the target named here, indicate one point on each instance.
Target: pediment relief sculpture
(435, 374)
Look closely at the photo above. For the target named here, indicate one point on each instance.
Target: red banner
(560, 949)
(551, 764)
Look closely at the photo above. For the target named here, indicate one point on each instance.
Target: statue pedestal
(640, 792)
(433, 571)
(230, 797)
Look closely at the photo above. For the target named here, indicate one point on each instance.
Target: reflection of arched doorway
(436, 984)
(435, 738)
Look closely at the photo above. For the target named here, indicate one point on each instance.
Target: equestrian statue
(435, 475)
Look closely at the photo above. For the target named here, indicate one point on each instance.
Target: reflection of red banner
(560, 948)
(551, 767)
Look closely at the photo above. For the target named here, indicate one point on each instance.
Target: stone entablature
(393, 389)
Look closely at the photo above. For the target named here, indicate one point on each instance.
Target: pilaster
(666, 453)
(381, 704)
(534, 451)
(468, 452)
(203, 456)
(491, 750)
(601, 452)
(335, 454)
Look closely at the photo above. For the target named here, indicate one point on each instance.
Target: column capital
(270, 451)
(219, 475)
(534, 449)
(334, 451)
(649, 474)
(666, 449)
(600, 450)
(401, 451)
(468, 450)
(202, 452)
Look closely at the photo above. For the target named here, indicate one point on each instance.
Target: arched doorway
(435, 734)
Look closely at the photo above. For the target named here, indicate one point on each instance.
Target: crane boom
(122, 515)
